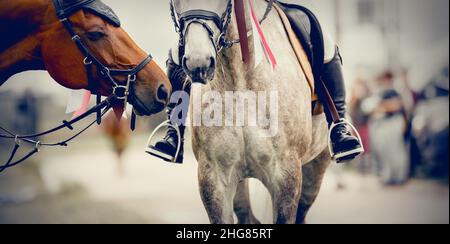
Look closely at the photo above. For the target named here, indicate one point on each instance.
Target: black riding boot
(345, 146)
(166, 149)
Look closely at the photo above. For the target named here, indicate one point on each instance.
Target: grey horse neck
(230, 65)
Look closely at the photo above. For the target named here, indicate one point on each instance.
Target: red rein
(242, 29)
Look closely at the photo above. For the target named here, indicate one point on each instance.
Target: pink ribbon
(266, 46)
(84, 105)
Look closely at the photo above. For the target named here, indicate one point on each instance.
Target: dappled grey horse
(290, 163)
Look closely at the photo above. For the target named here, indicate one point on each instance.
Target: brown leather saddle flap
(302, 59)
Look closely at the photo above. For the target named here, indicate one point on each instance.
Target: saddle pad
(303, 60)
(302, 57)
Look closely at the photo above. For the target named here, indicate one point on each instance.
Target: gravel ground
(82, 185)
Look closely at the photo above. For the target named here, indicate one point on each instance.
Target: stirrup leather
(152, 150)
(339, 156)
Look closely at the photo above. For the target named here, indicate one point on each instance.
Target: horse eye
(95, 35)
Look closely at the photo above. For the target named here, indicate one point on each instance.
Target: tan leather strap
(299, 51)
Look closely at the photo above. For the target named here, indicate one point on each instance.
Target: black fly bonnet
(68, 7)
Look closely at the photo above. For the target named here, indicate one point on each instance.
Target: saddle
(305, 35)
(308, 30)
(65, 8)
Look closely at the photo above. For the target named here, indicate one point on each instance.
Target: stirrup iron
(338, 156)
(152, 151)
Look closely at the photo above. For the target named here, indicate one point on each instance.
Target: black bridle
(199, 16)
(122, 91)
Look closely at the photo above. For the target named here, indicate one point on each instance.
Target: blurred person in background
(410, 99)
(430, 128)
(387, 128)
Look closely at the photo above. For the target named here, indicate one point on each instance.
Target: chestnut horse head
(114, 56)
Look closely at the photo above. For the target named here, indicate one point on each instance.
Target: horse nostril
(212, 63)
(162, 94)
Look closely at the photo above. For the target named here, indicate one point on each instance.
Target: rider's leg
(167, 147)
(345, 146)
